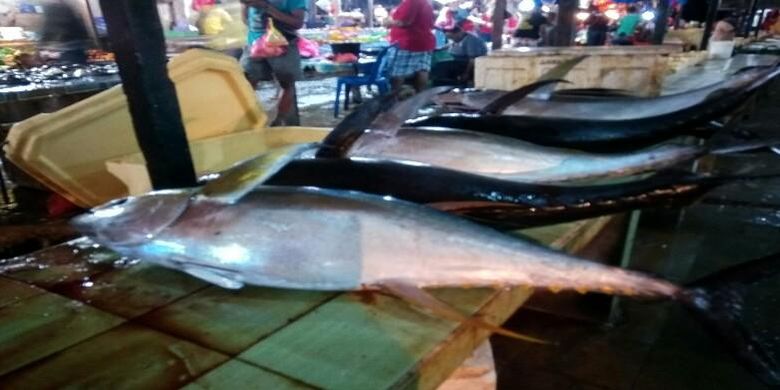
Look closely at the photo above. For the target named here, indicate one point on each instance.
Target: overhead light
(648, 16)
(545, 8)
(584, 4)
(612, 14)
(582, 16)
(526, 5)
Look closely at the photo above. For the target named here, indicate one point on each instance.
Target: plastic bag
(307, 48)
(271, 44)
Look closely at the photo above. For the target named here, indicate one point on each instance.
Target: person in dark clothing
(528, 30)
(598, 24)
(63, 31)
(464, 49)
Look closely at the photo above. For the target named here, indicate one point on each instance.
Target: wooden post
(370, 13)
(497, 35)
(311, 13)
(137, 41)
(564, 27)
(661, 21)
(712, 13)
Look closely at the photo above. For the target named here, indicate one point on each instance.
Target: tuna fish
(512, 159)
(315, 239)
(609, 123)
(499, 203)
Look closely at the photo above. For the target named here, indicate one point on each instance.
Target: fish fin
(235, 182)
(502, 102)
(341, 138)
(224, 279)
(717, 301)
(422, 299)
(406, 109)
(561, 70)
(556, 73)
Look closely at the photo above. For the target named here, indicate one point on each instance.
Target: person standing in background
(598, 24)
(288, 17)
(64, 32)
(627, 27)
(465, 48)
(411, 30)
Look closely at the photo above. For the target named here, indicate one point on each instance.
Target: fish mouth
(87, 223)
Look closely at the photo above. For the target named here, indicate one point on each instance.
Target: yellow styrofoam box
(215, 154)
(67, 150)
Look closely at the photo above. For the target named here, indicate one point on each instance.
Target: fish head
(132, 221)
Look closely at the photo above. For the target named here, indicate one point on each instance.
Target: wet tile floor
(658, 345)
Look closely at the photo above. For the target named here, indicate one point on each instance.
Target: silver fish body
(512, 159)
(608, 108)
(304, 238)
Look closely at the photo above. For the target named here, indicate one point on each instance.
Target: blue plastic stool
(372, 76)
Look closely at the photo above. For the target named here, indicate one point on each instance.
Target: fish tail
(717, 302)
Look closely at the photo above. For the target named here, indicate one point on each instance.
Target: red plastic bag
(271, 44)
(307, 48)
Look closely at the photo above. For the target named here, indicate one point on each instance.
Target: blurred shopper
(528, 31)
(288, 16)
(464, 49)
(64, 33)
(724, 30)
(627, 27)
(598, 25)
(411, 29)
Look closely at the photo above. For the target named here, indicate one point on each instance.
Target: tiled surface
(232, 321)
(128, 356)
(36, 327)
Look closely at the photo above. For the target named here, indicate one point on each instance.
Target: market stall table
(87, 319)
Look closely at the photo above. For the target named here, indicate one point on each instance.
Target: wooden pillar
(369, 13)
(497, 35)
(564, 26)
(137, 41)
(709, 24)
(661, 21)
(311, 12)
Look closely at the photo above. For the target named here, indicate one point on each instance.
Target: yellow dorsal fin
(422, 299)
(238, 180)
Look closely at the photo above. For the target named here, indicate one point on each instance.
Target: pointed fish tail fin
(718, 300)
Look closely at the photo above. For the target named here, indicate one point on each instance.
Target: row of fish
(380, 205)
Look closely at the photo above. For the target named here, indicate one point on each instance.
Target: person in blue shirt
(464, 49)
(287, 16)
